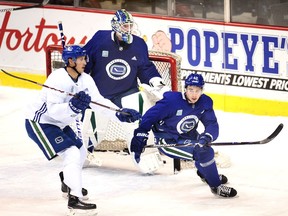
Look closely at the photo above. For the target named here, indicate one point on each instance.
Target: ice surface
(29, 184)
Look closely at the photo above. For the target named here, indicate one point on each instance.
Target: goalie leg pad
(149, 163)
(222, 161)
(89, 133)
(150, 160)
(92, 159)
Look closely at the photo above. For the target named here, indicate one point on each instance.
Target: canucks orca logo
(59, 139)
(118, 69)
(187, 124)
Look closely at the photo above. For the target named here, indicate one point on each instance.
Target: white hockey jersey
(51, 106)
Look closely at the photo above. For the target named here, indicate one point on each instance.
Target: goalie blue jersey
(173, 115)
(115, 67)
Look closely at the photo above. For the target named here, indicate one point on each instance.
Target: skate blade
(222, 197)
(81, 212)
(65, 195)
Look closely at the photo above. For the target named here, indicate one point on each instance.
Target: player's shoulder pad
(139, 40)
(206, 101)
(57, 77)
(172, 95)
(102, 33)
(58, 73)
(88, 80)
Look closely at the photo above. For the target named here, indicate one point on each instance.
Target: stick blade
(273, 135)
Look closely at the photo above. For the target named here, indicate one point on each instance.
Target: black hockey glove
(138, 142)
(128, 115)
(80, 102)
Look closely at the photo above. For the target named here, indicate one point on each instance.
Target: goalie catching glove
(128, 115)
(138, 142)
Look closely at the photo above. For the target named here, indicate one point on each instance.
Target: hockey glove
(79, 102)
(202, 150)
(204, 139)
(128, 115)
(138, 143)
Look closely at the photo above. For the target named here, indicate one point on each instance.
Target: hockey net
(168, 65)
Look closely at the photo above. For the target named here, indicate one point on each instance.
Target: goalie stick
(43, 3)
(264, 141)
(67, 93)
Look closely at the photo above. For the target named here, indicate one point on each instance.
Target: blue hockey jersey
(177, 117)
(114, 66)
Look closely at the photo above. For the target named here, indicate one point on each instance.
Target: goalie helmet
(122, 23)
(194, 80)
(73, 52)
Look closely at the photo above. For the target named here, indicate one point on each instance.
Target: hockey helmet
(73, 52)
(194, 80)
(122, 23)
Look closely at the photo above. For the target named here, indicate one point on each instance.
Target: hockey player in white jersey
(174, 120)
(118, 61)
(48, 119)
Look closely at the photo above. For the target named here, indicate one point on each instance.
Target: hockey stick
(60, 27)
(67, 93)
(264, 141)
(43, 3)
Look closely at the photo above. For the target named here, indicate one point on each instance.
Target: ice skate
(77, 207)
(222, 178)
(224, 191)
(65, 189)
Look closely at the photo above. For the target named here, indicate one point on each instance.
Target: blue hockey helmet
(73, 52)
(194, 80)
(122, 23)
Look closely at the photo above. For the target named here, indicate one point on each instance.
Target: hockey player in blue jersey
(175, 119)
(117, 61)
(49, 117)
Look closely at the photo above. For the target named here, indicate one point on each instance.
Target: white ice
(29, 184)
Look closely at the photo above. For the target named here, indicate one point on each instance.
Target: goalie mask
(122, 24)
(194, 80)
(73, 52)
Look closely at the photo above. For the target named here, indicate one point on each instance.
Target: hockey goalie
(118, 62)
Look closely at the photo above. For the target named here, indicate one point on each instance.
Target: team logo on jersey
(59, 139)
(118, 69)
(187, 124)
